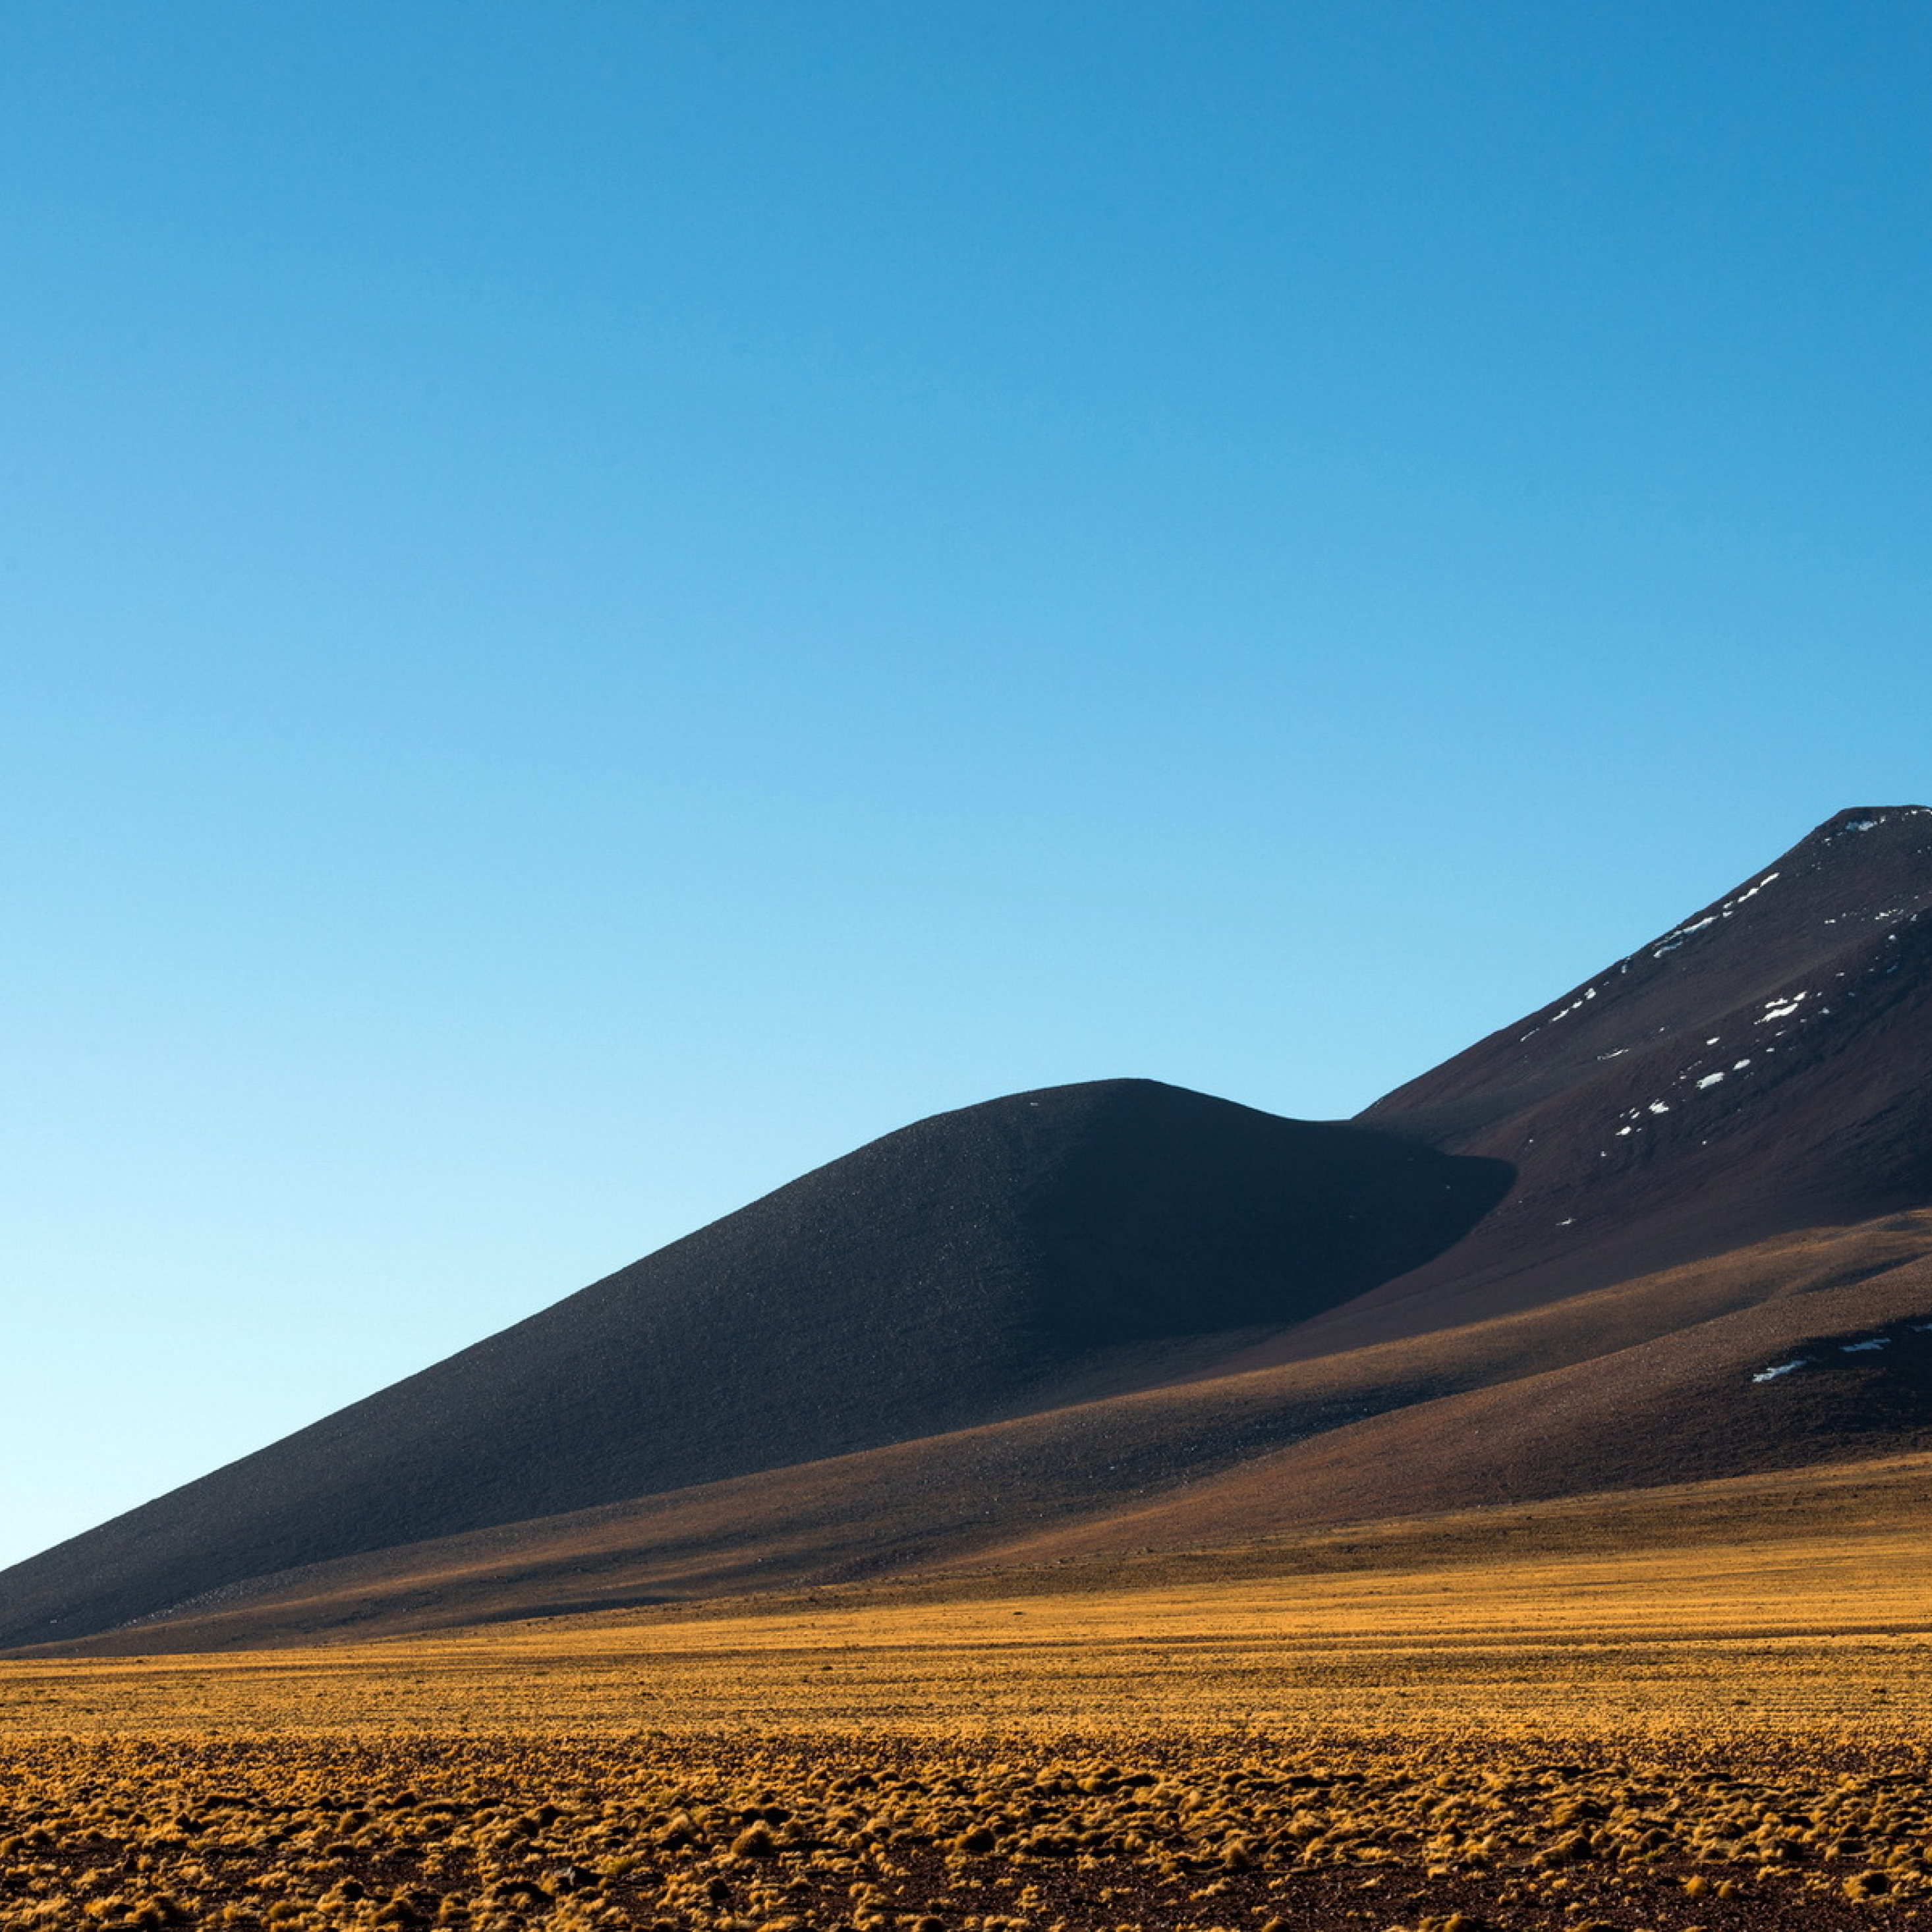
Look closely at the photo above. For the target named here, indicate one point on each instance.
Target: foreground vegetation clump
(496, 1833)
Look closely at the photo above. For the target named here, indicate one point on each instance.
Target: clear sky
(601, 602)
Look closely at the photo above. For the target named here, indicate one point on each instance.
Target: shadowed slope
(974, 1265)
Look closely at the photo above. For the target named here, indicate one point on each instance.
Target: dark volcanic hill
(978, 1264)
(1124, 1313)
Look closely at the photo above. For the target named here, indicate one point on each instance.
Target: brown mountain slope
(1843, 1373)
(1167, 1468)
(984, 1262)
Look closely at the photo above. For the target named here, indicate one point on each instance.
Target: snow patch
(1730, 905)
(1771, 1375)
(1575, 1005)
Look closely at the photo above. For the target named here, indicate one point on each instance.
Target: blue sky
(600, 602)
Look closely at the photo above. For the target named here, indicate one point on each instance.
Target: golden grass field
(1722, 1728)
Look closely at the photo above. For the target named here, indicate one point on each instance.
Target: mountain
(1764, 1066)
(1099, 1317)
(1008, 1256)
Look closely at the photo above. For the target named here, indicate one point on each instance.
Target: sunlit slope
(1829, 1375)
(994, 1260)
(1170, 1468)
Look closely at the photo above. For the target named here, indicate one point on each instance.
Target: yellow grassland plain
(1439, 1730)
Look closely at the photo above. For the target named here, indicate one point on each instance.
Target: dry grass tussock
(1713, 1738)
(309, 1832)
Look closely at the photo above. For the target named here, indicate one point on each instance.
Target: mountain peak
(1862, 818)
(1864, 837)
(1765, 1064)
(1863, 875)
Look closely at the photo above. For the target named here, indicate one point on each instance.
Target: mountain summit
(1766, 1064)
